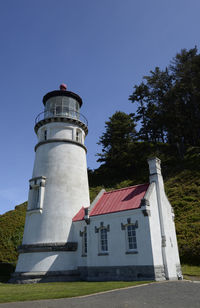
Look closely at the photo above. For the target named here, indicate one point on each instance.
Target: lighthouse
(58, 188)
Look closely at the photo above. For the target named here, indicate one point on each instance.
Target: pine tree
(115, 141)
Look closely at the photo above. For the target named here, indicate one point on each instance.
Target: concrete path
(179, 294)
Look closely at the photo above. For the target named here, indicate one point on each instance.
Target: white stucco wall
(60, 130)
(66, 191)
(169, 244)
(64, 168)
(171, 249)
(46, 261)
(154, 224)
(116, 240)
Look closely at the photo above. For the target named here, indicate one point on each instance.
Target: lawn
(190, 270)
(24, 292)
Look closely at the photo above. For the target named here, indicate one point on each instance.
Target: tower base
(105, 273)
(44, 277)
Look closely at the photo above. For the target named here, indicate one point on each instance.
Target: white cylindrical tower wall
(59, 183)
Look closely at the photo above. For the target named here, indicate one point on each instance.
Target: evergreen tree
(116, 140)
(169, 102)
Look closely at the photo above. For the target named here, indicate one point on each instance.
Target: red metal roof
(80, 215)
(124, 199)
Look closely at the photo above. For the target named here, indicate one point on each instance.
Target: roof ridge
(114, 190)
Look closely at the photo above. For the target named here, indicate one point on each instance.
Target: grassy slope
(182, 182)
(183, 190)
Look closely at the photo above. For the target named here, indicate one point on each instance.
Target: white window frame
(125, 227)
(103, 240)
(102, 251)
(131, 237)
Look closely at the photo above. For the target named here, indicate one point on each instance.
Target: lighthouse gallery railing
(56, 113)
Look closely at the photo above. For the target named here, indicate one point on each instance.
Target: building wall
(154, 223)
(151, 247)
(46, 262)
(61, 169)
(169, 245)
(66, 191)
(119, 263)
(60, 130)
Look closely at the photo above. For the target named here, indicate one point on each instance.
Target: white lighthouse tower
(58, 187)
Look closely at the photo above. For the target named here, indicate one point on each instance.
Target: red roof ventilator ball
(63, 87)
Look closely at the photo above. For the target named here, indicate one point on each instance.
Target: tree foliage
(168, 102)
(120, 133)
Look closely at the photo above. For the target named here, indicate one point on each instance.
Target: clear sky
(99, 48)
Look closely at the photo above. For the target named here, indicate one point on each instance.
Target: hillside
(182, 183)
(11, 232)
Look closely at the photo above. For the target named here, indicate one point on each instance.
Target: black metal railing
(56, 113)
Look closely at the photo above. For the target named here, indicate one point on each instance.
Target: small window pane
(132, 244)
(103, 240)
(85, 242)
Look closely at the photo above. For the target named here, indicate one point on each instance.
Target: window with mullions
(131, 237)
(83, 234)
(103, 240)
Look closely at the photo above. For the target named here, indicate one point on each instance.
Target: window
(131, 237)
(45, 134)
(103, 240)
(77, 107)
(58, 109)
(36, 193)
(78, 135)
(85, 242)
(83, 234)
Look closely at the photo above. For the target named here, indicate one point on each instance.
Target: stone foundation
(125, 273)
(51, 276)
(106, 273)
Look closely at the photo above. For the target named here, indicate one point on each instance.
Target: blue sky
(99, 48)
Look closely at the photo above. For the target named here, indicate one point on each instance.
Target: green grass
(24, 292)
(190, 270)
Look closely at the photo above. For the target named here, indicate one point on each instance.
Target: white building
(126, 234)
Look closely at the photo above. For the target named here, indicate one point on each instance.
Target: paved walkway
(173, 294)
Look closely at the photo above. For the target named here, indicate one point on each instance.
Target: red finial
(63, 87)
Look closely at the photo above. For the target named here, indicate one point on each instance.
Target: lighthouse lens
(62, 106)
